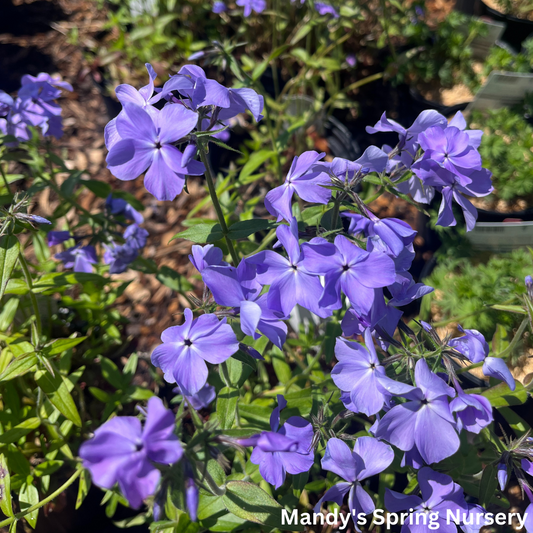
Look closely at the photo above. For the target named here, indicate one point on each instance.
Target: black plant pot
(495, 216)
(422, 103)
(516, 30)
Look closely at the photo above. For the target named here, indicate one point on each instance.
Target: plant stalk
(218, 208)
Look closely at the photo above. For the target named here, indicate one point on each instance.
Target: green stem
(4, 177)
(33, 298)
(304, 374)
(22, 514)
(214, 198)
(354, 85)
(266, 241)
(515, 340)
(336, 208)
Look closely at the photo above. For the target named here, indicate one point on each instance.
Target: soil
(494, 4)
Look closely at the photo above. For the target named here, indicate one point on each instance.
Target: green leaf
(510, 308)
(48, 467)
(245, 228)
(8, 313)
(281, 368)
(517, 423)
(111, 373)
(238, 371)
(172, 279)
(83, 488)
(255, 161)
(302, 32)
(28, 497)
(9, 252)
(60, 345)
(227, 406)
(250, 502)
(55, 280)
(20, 430)
(5, 487)
(501, 396)
(57, 392)
(201, 233)
(19, 366)
(98, 188)
(488, 485)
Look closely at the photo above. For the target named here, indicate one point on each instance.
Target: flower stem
(213, 193)
(29, 510)
(33, 298)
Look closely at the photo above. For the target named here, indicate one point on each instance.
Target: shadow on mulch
(15, 61)
(29, 19)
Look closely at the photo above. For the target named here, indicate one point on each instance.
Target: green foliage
(465, 291)
(440, 54)
(507, 150)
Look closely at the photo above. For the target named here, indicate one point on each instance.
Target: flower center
(187, 342)
(424, 402)
(138, 446)
(345, 268)
(158, 145)
(294, 267)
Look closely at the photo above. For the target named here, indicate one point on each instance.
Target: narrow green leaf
(98, 188)
(8, 313)
(28, 497)
(20, 430)
(488, 485)
(255, 161)
(83, 488)
(250, 502)
(227, 406)
(6, 504)
(57, 392)
(60, 345)
(201, 233)
(111, 373)
(245, 228)
(501, 396)
(9, 252)
(19, 366)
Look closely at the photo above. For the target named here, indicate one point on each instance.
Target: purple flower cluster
(143, 138)
(124, 452)
(34, 105)
(117, 256)
(286, 448)
(443, 157)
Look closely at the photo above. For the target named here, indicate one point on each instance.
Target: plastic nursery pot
(420, 104)
(516, 31)
(496, 216)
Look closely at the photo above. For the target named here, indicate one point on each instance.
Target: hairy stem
(54, 494)
(218, 208)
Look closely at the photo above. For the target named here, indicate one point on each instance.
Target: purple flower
(529, 286)
(79, 258)
(395, 233)
(119, 256)
(192, 497)
(118, 206)
(475, 348)
(219, 7)
(425, 420)
(474, 412)
(290, 280)
(404, 290)
(351, 269)
(201, 399)
(286, 448)
(57, 237)
(360, 373)
(200, 91)
(351, 60)
(147, 145)
(440, 495)
(135, 237)
(306, 177)
(186, 348)
(368, 458)
(122, 452)
(204, 256)
(326, 9)
(256, 5)
(503, 474)
(239, 288)
(6, 102)
(381, 319)
(32, 219)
